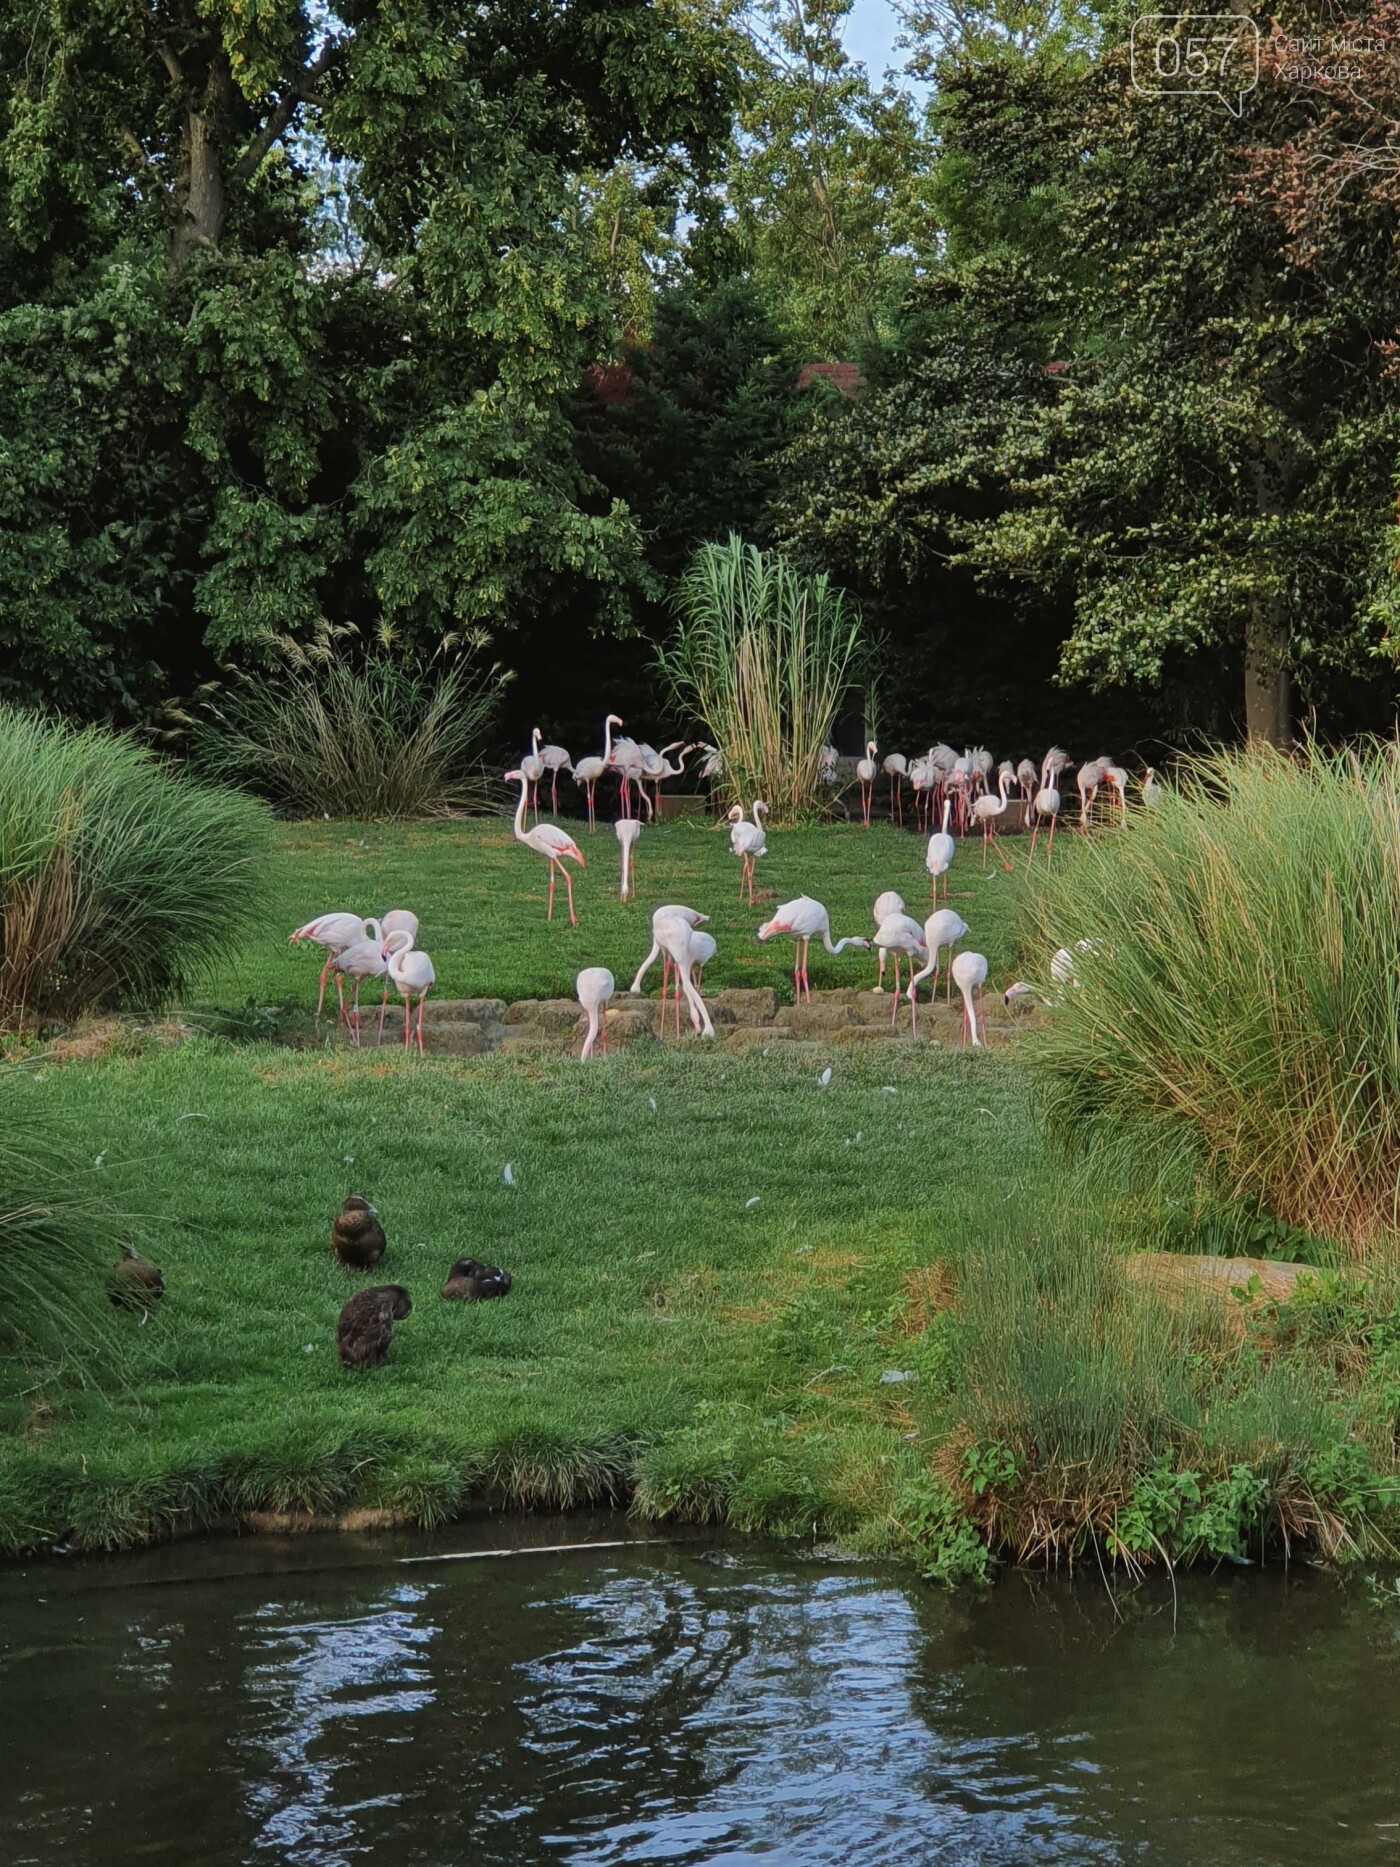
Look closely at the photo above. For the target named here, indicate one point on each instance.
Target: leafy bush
(1237, 1020)
(764, 656)
(118, 881)
(381, 737)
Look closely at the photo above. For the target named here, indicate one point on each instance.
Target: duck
(134, 1282)
(357, 1237)
(367, 1323)
(470, 1282)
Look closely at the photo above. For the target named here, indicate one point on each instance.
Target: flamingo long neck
(373, 931)
(826, 941)
(626, 865)
(607, 740)
(593, 1013)
(520, 810)
(535, 738)
(947, 812)
(971, 1015)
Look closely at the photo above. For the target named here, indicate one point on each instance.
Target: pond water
(322, 1701)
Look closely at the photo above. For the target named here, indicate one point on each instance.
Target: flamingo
(335, 932)
(1116, 779)
(1152, 791)
(412, 972)
(555, 759)
(593, 988)
(941, 850)
(865, 772)
(361, 960)
(969, 975)
(923, 778)
(703, 948)
(886, 904)
(399, 920)
(589, 770)
(987, 809)
(806, 920)
(898, 934)
(659, 768)
(1047, 798)
(533, 767)
(628, 830)
(1087, 780)
(547, 839)
(894, 768)
(945, 928)
(692, 918)
(674, 936)
(1026, 777)
(749, 841)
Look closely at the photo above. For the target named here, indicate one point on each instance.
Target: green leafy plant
(381, 736)
(764, 656)
(119, 882)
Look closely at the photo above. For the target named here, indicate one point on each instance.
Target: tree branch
(299, 88)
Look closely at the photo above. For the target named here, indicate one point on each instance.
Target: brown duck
(470, 1282)
(135, 1283)
(367, 1322)
(357, 1237)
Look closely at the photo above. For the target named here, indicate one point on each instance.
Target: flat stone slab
(468, 1010)
(747, 1004)
(457, 1037)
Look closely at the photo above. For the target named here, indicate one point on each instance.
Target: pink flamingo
(969, 975)
(335, 932)
(593, 988)
(886, 904)
(692, 918)
(748, 841)
(895, 768)
(945, 928)
(806, 920)
(939, 857)
(987, 809)
(412, 972)
(674, 936)
(533, 767)
(362, 960)
(554, 759)
(587, 771)
(547, 839)
(898, 934)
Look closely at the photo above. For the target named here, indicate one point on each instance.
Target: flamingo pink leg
(383, 1007)
(592, 820)
(330, 961)
(549, 912)
(355, 1014)
(568, 883)
(422, 1000)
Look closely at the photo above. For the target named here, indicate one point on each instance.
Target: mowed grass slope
(709, 1254)
(481, 898)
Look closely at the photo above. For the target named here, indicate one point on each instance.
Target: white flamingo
(885, 904)
(593, 987)
(945, 928)
(703, 948)
(362, 960)
(748, 841)
(628, 830)
(412, 972)
(692, 918)
(986, 811)
(334, 932)
(941, 850)
(806, 920)
(555, 759)
(589, 770)
(1152, 791)
(674, 935)
(900, 935)
(865, 774)
(547, 839)
(895, 767)
(969, 975)
(399, 920)
(533, 767)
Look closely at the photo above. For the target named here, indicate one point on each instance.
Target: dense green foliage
(119, 883)
(1238, 1018)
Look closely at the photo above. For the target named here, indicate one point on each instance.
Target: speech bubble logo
(1196, 55)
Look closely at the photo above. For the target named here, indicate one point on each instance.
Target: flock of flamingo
(957, 790)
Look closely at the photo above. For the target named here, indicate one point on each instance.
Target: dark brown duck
(367, 1324)
(357, 1237)
(134, 1283)
(470, 1282)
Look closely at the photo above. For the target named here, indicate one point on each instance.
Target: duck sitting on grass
(135, 1283)
(357, 1237)
(470, 1282)
(367, 1323)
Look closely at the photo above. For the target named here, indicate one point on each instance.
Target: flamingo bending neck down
(806, 920)
(674, 935)
(628, 830)
(412, 972)
(945, 928)
(361, 960)
(900, 935)
(335, 932)
(547, 839)
(969, 975)
(594, 986)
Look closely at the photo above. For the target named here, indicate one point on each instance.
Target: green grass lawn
(481, 899)
(710, 1255)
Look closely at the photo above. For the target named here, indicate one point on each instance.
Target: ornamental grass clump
(1236, 1017)
(764, 656)
(119, 883)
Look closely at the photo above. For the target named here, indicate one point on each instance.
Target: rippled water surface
(321, 1701)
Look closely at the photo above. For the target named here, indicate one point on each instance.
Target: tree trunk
(202, 202)
(1267, 701)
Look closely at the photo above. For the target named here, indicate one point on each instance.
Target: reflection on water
(318, 1703)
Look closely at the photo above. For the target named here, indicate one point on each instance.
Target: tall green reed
(1236, 1023)
(764, 656)
(119, 882)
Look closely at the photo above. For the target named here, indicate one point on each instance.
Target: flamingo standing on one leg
(334, 932)
(969, 975)
(898, 934)
(806, 920)
(547, 839)
(628, 830)
(593, 988)
(865, 773)
(412, 972)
